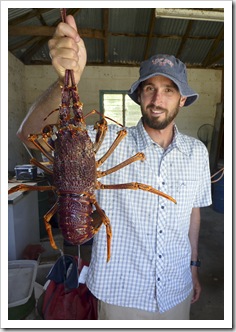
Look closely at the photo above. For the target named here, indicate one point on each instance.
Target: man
(152, 273)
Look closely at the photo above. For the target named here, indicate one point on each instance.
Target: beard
(154, 122)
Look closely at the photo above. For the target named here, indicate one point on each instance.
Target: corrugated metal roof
(129, 20)
(206, 29)
(128, 34)
(89, 18)
(17, 12)
(164, 46)
(50, 17)
(95, 52)
(133, 53)
(166, 26)
(190, 55)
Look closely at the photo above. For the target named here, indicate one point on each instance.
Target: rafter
(25, 17)
(23, 44)
(46, 31)
(37, 36)
(208, 60)
(184, 38)
(105, 34)
(28, 54)
(150, 33)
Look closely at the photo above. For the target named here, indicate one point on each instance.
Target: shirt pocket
(185, 193)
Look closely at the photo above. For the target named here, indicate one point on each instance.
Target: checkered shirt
(149, 267)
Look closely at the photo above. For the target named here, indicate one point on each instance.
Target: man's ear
(139, 92)
(182, 101)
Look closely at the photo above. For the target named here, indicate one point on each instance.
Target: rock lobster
(75, 170)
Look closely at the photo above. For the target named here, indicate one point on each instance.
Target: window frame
(103, 92)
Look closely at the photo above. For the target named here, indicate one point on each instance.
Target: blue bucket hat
(170, 67)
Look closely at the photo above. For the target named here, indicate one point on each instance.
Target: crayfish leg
(135, 186)
(99, 217)
(97, 221)
(101, 127)
(27, 187)
(47, 217)
(120, 136)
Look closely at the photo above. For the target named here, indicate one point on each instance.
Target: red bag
(62, 302)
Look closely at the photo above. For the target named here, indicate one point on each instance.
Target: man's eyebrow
(143, 84)
(172, 85)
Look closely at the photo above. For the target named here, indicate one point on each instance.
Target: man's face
(160, 101)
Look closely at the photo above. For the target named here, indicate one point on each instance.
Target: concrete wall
(16, 111)
(29, 82)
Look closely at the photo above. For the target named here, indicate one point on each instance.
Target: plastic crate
(21, 278)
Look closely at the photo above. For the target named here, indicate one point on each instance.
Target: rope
(221, 170)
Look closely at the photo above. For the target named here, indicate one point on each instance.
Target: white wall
(29, 82)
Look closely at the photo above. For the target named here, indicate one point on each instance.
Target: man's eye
(149, 88)
(168, 90)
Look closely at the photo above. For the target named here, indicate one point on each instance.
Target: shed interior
(117, 41)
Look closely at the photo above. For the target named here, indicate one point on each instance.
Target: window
(118, 106)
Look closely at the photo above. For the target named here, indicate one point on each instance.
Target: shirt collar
(144, 140)
(181, 142)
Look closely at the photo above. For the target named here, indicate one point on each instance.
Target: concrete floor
(211, 252)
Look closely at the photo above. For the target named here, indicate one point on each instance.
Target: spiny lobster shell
(74, 176)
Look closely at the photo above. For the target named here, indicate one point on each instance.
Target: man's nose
(157, 98)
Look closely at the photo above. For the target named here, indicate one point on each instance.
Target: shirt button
(163, 183)
(160, 231)
(158, 279)
(162, 207)
(160, 256)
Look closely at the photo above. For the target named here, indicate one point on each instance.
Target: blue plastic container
(218, 195)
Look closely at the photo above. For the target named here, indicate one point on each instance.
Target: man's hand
(67, 50)
(196, 285)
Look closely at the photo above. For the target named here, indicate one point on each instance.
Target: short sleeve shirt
(149, 267)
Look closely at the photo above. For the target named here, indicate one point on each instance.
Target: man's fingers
(71, 21)
(64, 43)
(66, 30)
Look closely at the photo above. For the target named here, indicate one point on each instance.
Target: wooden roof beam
(26, 56)
(105, 34)
(208, 60)
(46, 31)
(27, 16)
(184, 38)
(150, 33)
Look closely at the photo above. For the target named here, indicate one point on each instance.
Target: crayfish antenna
(56, 110)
